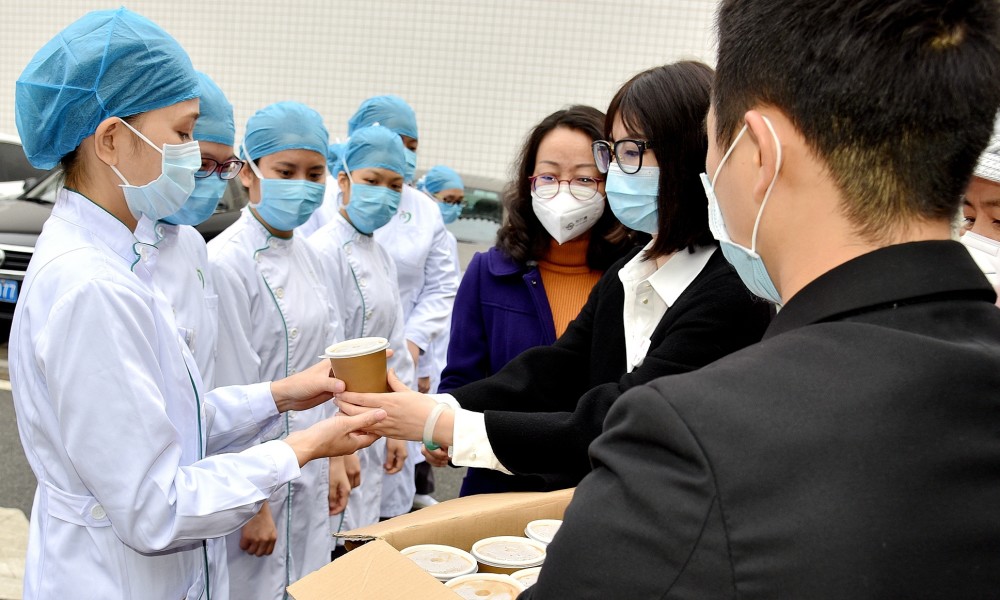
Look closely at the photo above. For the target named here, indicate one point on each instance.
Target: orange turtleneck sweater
(567, 279)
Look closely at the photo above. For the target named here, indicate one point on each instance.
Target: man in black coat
(854, 453)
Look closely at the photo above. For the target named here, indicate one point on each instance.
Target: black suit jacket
(544, 408)
(854, 453)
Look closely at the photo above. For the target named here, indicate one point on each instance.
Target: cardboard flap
(376, 572)
(464, 521)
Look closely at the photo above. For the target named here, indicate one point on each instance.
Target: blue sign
(8, 290)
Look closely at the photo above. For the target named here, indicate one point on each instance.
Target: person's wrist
(282, 400)
(302, 445)
(444, 429)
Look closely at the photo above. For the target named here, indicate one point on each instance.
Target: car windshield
(480, 218)
(14, 165)
(46, 188)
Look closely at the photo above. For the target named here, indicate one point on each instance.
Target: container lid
(443, 562)
(486, 586)
(527, 577)
(543, 530)
(356, 347)
(507, 551)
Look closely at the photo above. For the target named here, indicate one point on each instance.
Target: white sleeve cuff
(447, 399)
(472, 446)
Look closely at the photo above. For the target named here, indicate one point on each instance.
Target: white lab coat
(371, 307)
(418, 243)
(114, 422)
(277, 317)
(182, 275)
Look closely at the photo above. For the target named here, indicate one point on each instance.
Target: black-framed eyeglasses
(227, 170)
(627, 153)
(546, 186)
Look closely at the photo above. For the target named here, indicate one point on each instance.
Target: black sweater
(545, 407)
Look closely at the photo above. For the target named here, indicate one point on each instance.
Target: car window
(480, 218)
(14, 165)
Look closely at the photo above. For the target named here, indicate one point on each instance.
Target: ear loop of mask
(777, 170)
(250, 161)
(143, 138)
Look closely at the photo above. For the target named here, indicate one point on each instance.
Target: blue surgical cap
(110, 63)
(375, 147)
(388, 111)
(440, 178)
(284, 126)
(334, 154)
(215, 123)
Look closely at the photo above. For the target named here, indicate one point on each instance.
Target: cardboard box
(375, 570)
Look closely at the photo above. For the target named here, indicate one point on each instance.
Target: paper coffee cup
(443, 562)
(543, 530)
(486, 586)
(360, 363)
(506, 554)
(527, 577)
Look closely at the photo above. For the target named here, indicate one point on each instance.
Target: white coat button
(160, 230)
(97, 512)
(348, 250)
(363, 282)
(473, 456)
(368, 315)
(292, 371)
(272, 243)
(645, 300)
(280, 292)
(257, 258)
(294, 333)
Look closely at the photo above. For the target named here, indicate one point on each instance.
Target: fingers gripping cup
(360, 363)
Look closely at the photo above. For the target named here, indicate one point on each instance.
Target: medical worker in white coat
(418, 241)
(278, 316)
(182, 272)
(138, 465)
(369, 182)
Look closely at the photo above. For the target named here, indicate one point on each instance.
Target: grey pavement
(17, 488)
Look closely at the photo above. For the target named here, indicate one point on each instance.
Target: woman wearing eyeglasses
(183, 275)
(556, 241)
(671, 307)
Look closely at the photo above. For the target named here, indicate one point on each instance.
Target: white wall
(479, 73)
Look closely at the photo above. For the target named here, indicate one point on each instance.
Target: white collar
(670, 280)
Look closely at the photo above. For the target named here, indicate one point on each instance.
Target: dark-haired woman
(668, 308)
(556, 242)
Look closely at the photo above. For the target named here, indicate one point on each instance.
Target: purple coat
(500, 311)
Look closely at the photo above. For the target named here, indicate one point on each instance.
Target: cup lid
(543, 530)
(527, 577)
(507, 551)
(443, 562)
(356, 347)
(486, 586)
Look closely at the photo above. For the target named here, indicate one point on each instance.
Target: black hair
(666, 106)
(522, 236)
(897, 97)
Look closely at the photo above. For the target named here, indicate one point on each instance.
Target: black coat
(854, 453)
(544, 408)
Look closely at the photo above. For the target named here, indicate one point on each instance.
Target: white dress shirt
(649, 292)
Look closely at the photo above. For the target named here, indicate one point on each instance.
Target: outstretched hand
(306, 389)
(406, 410)
(336, 436)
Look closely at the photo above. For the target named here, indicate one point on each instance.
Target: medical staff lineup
(190, 440)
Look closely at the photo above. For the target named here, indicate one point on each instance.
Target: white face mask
(166, 194)
(565, 217)
(986, 253)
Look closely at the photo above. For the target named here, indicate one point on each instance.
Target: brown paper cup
(360, 364)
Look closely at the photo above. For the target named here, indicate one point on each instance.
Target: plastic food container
(527, 577)
(443, 562)
(506, 554)
(486, 586)
(543, 530)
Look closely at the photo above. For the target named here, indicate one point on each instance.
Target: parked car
(16, 173)
(481, 217)
(22, 217)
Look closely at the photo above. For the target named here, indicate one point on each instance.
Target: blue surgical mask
(633, 198)
(286, 203)
(372, 206)
(748, 264)
(411, 165)
(204, 200)
(166, 194)
(449, 212)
